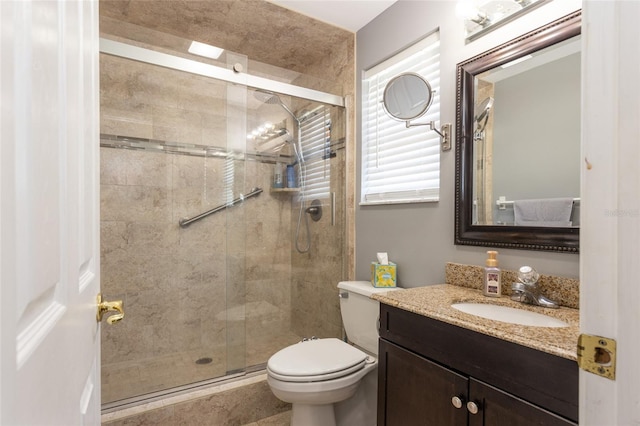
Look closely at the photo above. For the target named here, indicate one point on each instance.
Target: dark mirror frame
(515, 237)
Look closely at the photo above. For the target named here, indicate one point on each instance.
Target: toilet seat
(316, 360)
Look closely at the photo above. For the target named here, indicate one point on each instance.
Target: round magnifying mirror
(407, 96)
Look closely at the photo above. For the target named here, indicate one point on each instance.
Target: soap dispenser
(492, 286)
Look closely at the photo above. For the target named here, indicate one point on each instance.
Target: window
(315, 131)
(400, 164)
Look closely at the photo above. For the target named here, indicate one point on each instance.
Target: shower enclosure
(196, 142)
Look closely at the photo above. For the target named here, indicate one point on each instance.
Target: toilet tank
(360, 313)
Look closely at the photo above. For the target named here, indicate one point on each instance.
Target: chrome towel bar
(188, 221)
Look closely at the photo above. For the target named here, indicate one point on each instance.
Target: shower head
(482, 111)
(273, 99)
(267, 97)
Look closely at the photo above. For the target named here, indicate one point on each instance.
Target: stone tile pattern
(562, 290)
(248, 27)
(312, 49)
(435, 302)
(252, 404)
(233, 278)
(315, 275)
(217, 289)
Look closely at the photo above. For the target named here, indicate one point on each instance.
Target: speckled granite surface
(562, 290)
(435, 302)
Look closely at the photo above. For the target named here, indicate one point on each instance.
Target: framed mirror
(518, 142)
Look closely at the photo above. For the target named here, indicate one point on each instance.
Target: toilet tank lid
(364, 288)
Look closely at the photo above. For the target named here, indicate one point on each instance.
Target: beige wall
(184, 289)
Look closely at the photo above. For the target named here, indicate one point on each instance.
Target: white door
(49, 213)
(610, 235)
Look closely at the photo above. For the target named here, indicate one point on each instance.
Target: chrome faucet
(527, 291)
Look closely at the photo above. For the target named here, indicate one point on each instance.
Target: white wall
(419, 237)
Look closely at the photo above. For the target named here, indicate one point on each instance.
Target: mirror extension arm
(444, 132)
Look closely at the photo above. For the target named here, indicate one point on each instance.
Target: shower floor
(129, 379)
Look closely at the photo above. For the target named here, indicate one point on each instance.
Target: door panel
(498, 408)
(416, 391)
(49, 213)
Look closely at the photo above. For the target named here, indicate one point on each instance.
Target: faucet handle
(528, 275)
(518, 287)
(518, 292)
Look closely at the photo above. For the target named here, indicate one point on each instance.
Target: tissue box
(383, 275)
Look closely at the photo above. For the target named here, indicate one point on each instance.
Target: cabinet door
(498, 408)
(415, 391)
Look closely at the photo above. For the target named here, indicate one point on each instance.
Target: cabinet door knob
(472, 407)
(456, 402)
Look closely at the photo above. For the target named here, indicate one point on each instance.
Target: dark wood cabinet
(499, 408)
(418, 391)
(429, 371)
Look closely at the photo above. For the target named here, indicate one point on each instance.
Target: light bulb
(466, 9)
(206, 50)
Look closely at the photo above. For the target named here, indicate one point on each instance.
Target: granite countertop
(435, 302)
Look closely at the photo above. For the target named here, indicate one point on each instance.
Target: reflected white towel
(543, 212)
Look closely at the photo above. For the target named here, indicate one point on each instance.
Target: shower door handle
(104, 307)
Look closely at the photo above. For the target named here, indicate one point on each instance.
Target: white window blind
(400, 164)
(315, 131)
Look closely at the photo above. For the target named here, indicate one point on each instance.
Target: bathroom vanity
(438, 366)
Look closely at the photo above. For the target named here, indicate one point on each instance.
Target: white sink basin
(510, 315)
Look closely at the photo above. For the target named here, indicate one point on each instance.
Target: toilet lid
(313, 360)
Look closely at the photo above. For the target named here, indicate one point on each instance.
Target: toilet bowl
(328, 380)
(315, 374)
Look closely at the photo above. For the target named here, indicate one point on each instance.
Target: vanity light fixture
(467, 10)
(206, 50)
(482, 16)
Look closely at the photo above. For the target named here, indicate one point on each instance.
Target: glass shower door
(170, 150)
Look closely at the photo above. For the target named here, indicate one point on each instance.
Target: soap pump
(492, 286)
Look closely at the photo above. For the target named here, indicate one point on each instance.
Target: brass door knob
(104, 307)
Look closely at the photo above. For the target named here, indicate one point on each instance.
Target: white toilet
(327, 381)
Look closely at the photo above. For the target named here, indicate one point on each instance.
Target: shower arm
(186, 222)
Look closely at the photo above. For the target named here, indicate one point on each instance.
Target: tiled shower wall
(184, 289)
(315, 275)
(136, 102)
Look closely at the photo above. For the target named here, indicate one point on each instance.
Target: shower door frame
(123, 50)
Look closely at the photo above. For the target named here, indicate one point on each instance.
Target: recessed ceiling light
(205, 50)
